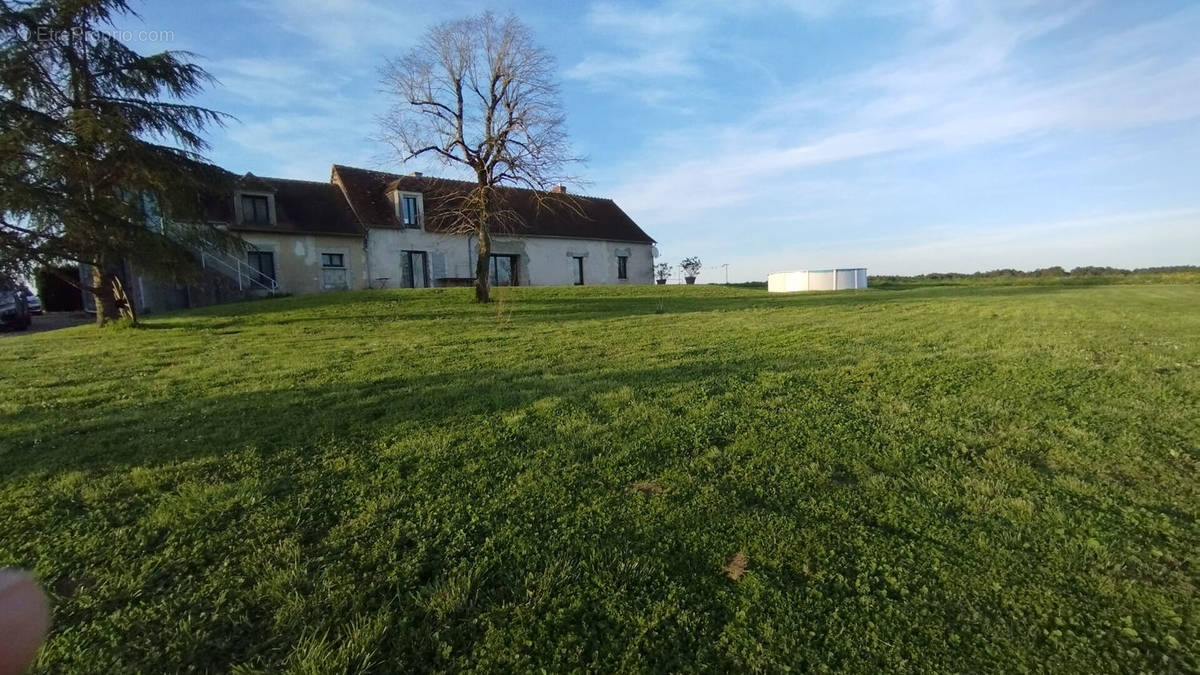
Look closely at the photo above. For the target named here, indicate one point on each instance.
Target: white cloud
(266, 83)
(339, 27)
(635, 24)
(916, 104)
(842, 153)
(609, 68)
(289, 145)
(650, 50)
(349, 31)
(651, 53)
(323, 98)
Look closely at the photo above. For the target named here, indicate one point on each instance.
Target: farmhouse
(370, 229)
(411, 243)
(301, 236)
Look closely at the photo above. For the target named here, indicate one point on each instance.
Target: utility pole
(726, 266)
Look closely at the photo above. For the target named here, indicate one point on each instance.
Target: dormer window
(255, 209)
(408, 207)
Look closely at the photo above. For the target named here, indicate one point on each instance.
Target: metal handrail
(230, 265)
(235, 269)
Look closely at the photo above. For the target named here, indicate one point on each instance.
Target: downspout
(470, 255)
(336, 180)
(367, 254)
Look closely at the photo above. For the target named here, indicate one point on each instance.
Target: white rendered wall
(298, 259)
(543, 261)
(446, 255)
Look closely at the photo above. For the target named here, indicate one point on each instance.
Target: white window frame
(400, 195)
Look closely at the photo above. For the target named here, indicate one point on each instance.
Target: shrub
(691, 266)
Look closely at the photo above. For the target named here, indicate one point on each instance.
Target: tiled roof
(577, 217)
(301, 207)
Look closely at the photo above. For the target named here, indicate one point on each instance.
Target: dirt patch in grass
(648, 488)
(737, 566)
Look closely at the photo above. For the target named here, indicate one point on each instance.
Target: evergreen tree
(97, 147)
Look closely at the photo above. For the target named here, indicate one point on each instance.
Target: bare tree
(480, 94)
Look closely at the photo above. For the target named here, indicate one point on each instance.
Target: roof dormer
(254, 203)
(254, 209)
(410, 208)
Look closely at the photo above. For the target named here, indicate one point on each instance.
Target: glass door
(415, 271)
(262, 267)
(504, 270)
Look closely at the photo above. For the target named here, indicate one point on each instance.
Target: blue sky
(907, 136)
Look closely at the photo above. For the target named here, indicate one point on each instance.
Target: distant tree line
(1056, 271)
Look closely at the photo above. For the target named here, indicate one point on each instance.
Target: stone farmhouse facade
(371, 229)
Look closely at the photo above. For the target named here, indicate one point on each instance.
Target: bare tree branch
(481, 94)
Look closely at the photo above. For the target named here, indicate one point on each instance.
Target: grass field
(960, 478)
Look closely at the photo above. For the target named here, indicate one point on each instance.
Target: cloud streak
(785, 133)
(972, 78)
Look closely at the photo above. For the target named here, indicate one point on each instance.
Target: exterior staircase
(246, 278)
(224, 277)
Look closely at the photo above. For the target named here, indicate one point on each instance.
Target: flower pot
(662, 282)
(690, 280)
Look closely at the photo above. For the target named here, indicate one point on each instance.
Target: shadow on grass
(280, 425)
(903, 284)
(160, 432)
(604, 307)
(565, 304)
(370, 415)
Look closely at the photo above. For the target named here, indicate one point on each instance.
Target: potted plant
(691, 269)
(663, 272)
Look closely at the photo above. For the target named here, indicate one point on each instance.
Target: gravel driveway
(51, 321)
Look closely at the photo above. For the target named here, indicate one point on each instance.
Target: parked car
(14, 311)
(34, 302)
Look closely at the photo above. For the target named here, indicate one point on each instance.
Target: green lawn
(960, 478)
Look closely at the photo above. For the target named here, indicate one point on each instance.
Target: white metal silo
(840, 279)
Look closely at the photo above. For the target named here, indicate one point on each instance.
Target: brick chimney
(559, 189)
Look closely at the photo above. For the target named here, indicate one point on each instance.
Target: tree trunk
(112, 302)
(104, 294)
(124, 303)
(482, 265)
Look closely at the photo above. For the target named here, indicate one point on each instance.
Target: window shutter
(406, 279)
(438, 264)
